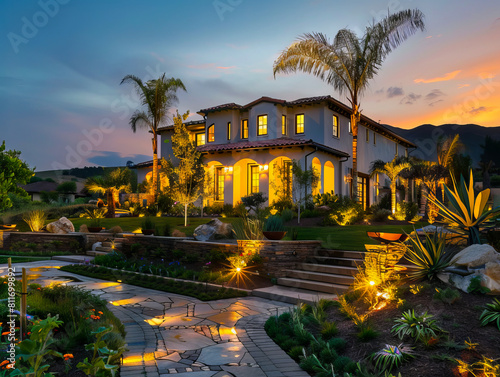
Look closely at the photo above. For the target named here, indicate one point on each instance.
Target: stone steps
(328, 269)
(96, 252)
(320, 277)
(339, 261)
(311, 285)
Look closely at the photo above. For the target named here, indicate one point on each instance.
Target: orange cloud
(231, 67)
(448, 76)
(463, 86)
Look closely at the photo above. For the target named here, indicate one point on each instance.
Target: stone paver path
(171, 334)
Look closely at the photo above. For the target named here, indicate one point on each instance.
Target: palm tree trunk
(154, 189)
(185, 214)
(111, 204)
(354, 125)
(393, 196)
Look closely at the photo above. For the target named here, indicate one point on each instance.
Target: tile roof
(187, 124)
(40, 186)
(265, 144)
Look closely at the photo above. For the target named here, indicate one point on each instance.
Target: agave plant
(467, 212)
(429, 257)
(419, 327)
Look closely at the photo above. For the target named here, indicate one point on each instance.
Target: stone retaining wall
(277, 256)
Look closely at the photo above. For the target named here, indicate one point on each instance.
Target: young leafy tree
(392, 170)
(348, 63)
(111, 184)
(302, 180)
(186, 176)
(13, 172)
(158, 96)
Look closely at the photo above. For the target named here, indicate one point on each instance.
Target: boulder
(475, 256)
(213, 228)
(492, 277)
(61, 226)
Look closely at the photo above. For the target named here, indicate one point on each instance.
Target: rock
(475, 256)
(83, 228)
(213, 228)
(61, 226)
(432, 229)
(178, 233)
(492, 277)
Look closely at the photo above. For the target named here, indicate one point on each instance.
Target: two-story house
(244, 146)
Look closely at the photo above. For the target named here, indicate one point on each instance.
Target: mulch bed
(460, 320)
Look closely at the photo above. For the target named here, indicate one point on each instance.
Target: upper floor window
(299, 123)
(262, 125)
(211, 133)
(228, 130)
(374, 138)
(244, 129)
(283, 124)
(367, 135)
(335, 125)
(350, 127)
(200, 138)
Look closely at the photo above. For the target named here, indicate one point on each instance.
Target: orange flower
(68, 356)
(3, 363)
(6, 333)
(100, 312)
(9, 366)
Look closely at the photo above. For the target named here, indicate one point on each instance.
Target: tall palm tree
(392, 170)
(428, 174)
(158, 96)
(111, 185)
(348, 63)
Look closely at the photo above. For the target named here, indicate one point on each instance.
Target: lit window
(219, 184)
(367, 135)
(262, 125)
(350, 127)
(244, 129)
(211, 133)
(253, 179)
(228, 130)
(283, 124)
(299, 123)
(335, 126)
(200, 139)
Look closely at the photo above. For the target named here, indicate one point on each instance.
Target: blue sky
(63, 60)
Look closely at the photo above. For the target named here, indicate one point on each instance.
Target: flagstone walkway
(172, 334)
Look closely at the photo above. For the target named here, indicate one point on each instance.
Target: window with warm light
(283, 124)
(261, 125)
(244, 129)
(299, 123)
(228, 130)
(253, 179)
(335, 124)
(211, 133)
(200, 139)
(219, 184)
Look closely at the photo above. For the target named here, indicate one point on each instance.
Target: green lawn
(4, 259)
(351, 237)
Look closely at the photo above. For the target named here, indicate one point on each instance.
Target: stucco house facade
(247, 148)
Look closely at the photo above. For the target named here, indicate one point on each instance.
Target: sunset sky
(62, 104)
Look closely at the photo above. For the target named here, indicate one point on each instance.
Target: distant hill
(427, 135)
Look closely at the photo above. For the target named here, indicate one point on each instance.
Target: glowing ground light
(372, 283)
(238, 269)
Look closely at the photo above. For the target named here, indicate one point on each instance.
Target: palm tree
(348, 63)
(111, 184)
(447, 149)
(392, 170)
(428, 174)
(158, 96)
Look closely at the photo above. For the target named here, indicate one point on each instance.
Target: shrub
(405, 211)
(248, 229)
(345, 211)
(274, 223)
(148, 223)
(448, 295)
(338, 344)
(391, 357)
(254, 201)
(287, 214)
(421, 327)
(326, 199)
(491, 313)
(380, 215)
(35, 220)
(116, 229)
(283, 203)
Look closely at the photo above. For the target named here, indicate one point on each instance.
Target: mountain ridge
(426, 137)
